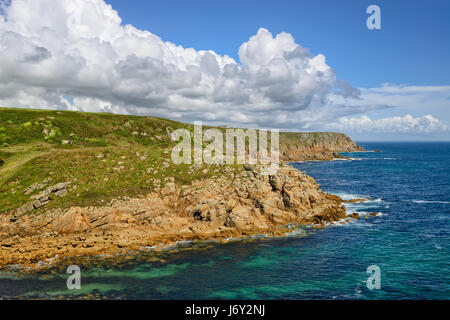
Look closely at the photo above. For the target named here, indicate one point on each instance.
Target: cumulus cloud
(407, 124)
(77, 55)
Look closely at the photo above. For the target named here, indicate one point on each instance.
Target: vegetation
(105, 156)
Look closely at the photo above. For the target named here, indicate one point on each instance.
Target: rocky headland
(77, 183)
(240, 203)
(306, 146)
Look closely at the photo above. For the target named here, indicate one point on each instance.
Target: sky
(291, 65)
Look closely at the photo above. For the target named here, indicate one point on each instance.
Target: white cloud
(51, 50)
(77, 55)
(407, 124)
(433, 98)
(419, 102)
(404, 96)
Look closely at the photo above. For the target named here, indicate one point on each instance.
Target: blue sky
(248, 67)
(411, 48)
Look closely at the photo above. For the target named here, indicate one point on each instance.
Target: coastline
(267, 260)
(171, 215)
(105, 194)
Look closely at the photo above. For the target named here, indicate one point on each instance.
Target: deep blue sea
(408, 184)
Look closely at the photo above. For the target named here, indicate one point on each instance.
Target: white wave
(374, 159)
(340, 222)
(349, 196)
(361, 223)
(430, 201)
(295, 233)
(367, 199)
(362, 214)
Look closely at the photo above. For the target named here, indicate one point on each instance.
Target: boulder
(38, 204)
(277, 182)
(269, 204)
(219, 216)
(34, 187)
(27, 207)
(354, 215)
(230, 205)
(278, 216)
(240, 217)
(61, 193)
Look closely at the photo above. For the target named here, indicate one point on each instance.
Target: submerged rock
(354, 200)
(354, 215)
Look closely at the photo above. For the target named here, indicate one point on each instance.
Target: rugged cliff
(241, 202)
(315, 146)
(80, 183)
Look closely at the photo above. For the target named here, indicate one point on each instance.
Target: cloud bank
(407, 124)
(77, 55)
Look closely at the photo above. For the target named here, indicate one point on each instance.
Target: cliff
(240, 203)
(315, 146)
(81, 183)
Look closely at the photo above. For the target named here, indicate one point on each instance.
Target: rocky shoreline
(240, 203)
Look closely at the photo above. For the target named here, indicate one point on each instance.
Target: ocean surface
(408, 184)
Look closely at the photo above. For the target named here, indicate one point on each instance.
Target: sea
(402, 253)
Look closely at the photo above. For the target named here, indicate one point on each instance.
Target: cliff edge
(306, 146)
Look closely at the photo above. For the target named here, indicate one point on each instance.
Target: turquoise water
(408, 184)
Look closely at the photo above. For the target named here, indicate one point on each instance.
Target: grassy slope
(32, 151)
(31, 156)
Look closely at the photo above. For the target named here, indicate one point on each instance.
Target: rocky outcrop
(240, 203)
(315, 146)
(355, 216)
(43, 198)
(34, 187)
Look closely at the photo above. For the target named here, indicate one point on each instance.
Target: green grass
(32, 151)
